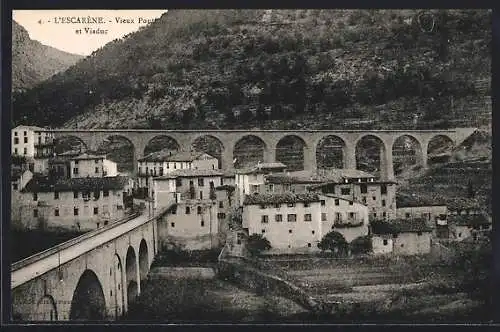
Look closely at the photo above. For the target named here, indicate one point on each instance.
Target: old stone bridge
(270, 140)
(91, 277)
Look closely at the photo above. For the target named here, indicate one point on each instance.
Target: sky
(46, 27)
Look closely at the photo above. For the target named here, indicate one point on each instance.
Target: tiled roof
(44, 184)
(413, 200)
(88, 156)
(343, 198)
(227, 187)
(280, 198)
(190, 173)
(399, 226)
(168, 155)
(336, 175)
(31, 128)
(262, 167)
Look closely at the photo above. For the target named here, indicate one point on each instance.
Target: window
(96, 210)
(289, 231)
(16, 140)
(352, 215)
(26, 140)
(198, 210)
(309, 245)
(364, 188)
(337, 201)
(25, 133)
(385, 242)
(394, 236)
(383, 202)
(292, 217)
(75, 194)
(264, 219)
(76, 162)
(374, 198)
(375, 215)
(383, 189)
(278, 218)
(221, 215)
(201, 182)
(323, 216)
(178, 182)
(188, 210)
(56, 195)
(323, 202)
(312, 232)
(202, 223)
(338, 216)
(407, 215)
(97, 169)
(35, 213)
(419, 233)
(384, 214)
(306, 204)
(25, 151)
(307, 217)
(364, 199)
(15, 133)
(291, 204)
(105, 193)
(277, 206)
(174, 210)
(459, 234)
(75, 170)
(14, 186)
(221, 205)
(351, 202)
(345, 191)
(15, 150)
(263, 231)
(201, 194)
(35, 196)
(262, 206)
(75, 211)
(172, 224)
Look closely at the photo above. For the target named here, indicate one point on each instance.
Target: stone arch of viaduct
(270, 138)
(94, 285)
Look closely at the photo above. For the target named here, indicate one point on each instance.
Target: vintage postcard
(251, 166)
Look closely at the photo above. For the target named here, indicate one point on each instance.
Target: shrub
(361, 245)
(335, 242)
(257, 243)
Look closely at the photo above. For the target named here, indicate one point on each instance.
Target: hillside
(33, 62)
(254, 68)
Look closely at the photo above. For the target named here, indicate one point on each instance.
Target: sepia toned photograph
(251, 166)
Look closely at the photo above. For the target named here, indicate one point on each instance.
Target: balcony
(350, 223)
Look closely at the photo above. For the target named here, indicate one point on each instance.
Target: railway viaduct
(228, 140)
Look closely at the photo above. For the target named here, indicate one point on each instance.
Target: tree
(361, 245)
(335, 242)
(257, 243)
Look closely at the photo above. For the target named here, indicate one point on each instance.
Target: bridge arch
(248, 151)
(371, 153)
(120, 149)
(46, 309)
(69, 142)
(331, 152)
(118, 291)
(161, 142)
(407, 153)
(211, 145)
(131, 275)
(439, 149)
(290, 151)
(143, 261)
(88, 301)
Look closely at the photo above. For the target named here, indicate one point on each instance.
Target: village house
(193, 219)
(165, 161)
(350, 184)
(251, 180)
(345, 216)
(468, 226)
(433, 212)
(401, 237)
(289, 221)
(72, 203)
(35, 145)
